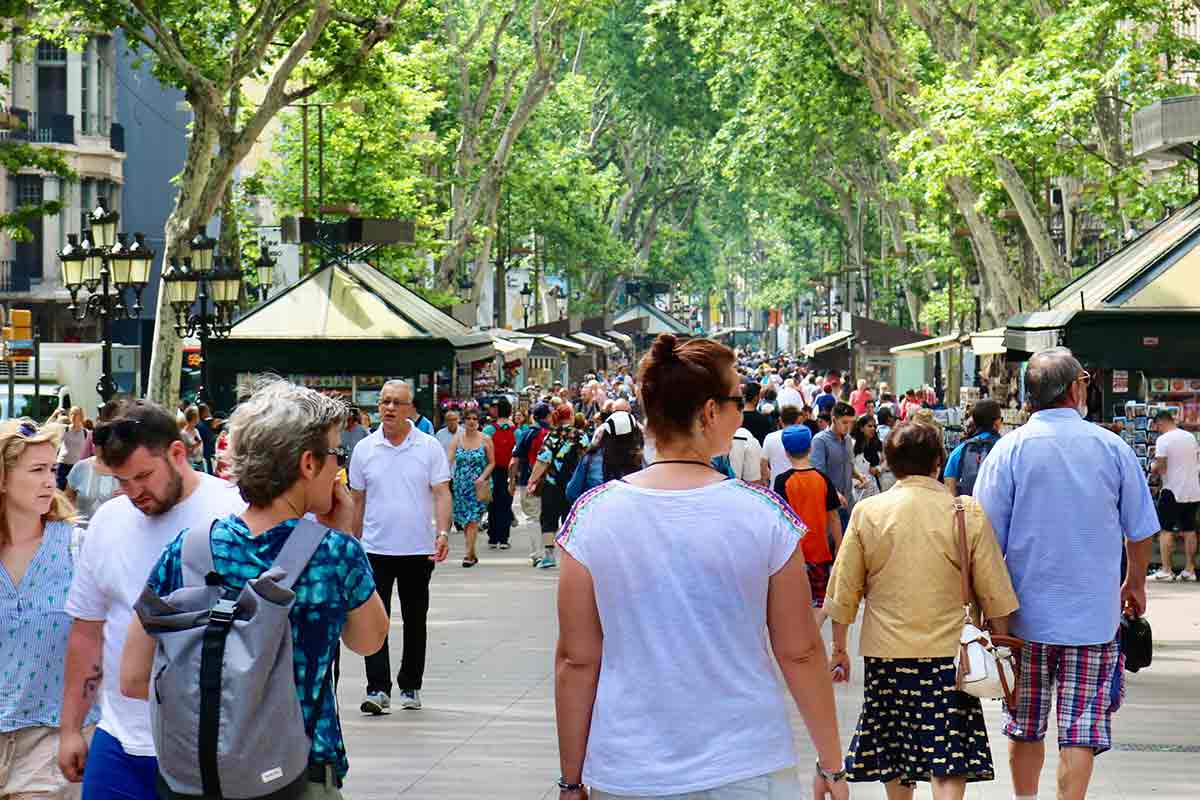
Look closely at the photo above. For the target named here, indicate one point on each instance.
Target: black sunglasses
(121, 428)
(343, 457)
(27, 430)
(737, 398)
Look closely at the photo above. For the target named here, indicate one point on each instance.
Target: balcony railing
(42, 128)
(116, 138)
(14, 277)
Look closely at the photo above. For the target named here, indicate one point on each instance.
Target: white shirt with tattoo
(121, 547)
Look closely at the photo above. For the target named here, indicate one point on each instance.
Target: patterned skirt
(915, 725)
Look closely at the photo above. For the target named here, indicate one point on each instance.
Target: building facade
(63, 100)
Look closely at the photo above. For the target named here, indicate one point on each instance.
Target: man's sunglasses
(736, 398)
(121, 428)
(343, 457)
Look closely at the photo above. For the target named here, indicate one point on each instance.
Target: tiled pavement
(487, 728)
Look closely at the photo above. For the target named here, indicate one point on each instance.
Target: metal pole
(105, 388)
(304, 180)
(320, 158)
(37, 370)
(12, 389)
(202, 396)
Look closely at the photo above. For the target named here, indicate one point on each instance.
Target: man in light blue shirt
(1065, 496)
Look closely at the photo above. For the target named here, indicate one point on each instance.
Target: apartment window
(103, 77)
(86, 84)
(29, 190)
(87, 191)
(50, 53)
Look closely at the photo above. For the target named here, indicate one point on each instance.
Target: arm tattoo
(91, 684)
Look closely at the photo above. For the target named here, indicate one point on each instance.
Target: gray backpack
(223, 705)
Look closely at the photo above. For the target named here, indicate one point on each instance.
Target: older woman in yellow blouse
(900, 553)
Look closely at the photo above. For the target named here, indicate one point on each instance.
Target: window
(29, 190)
(87, 188)
(50, 53)
(86, 90)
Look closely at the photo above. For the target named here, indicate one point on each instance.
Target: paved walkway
(487, 728)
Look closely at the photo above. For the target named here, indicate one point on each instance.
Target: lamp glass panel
(92, 264)
(72, 271)
(266, 275)
(140, 265)
(121, 266)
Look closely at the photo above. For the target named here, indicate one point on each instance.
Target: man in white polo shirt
(400, 481)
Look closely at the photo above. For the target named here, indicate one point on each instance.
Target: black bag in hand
(1137, 642)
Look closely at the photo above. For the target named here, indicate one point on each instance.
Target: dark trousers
(500, 515)
(411, 575)
(61, 471)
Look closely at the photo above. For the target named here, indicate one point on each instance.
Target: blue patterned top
(33, 635)
(337, 580)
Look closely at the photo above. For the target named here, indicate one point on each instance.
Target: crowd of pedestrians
(691, 511)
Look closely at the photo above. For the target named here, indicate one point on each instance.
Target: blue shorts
(113, 774)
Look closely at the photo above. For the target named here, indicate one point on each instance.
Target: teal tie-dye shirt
(337, 580)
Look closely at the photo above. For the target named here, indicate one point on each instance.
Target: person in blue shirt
(959, 475)
(286, 453)
(422, 422)
(1065, 497)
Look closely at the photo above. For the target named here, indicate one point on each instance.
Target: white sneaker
(1163, 575)
(1187, 575)
(410, 700)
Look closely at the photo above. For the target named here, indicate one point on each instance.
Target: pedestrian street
(487, 726)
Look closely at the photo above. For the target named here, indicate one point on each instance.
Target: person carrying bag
(987, 662)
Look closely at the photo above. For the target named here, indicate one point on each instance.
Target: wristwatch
(563, 786)
(830, 776)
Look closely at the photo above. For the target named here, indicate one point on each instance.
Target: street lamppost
(526, 302)
(105, 264)
(204, 277)
(560, 296)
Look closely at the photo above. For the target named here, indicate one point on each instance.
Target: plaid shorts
(818, 581)
(1089, 684)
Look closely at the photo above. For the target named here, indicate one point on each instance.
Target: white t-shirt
(399, 481)
(1182, 453)
(121, 547)
(688, 697)
(776, 456)
(745, 456)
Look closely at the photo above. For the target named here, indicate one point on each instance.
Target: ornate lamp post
(264, 268)
(526, 302)
(197, 280)
(560, 295)
(112, 271)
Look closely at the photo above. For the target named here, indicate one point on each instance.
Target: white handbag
(987, 664)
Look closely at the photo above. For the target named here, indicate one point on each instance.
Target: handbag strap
(964, 554)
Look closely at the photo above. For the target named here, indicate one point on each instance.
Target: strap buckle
(223, 613)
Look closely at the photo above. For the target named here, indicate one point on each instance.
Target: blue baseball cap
(797, 440)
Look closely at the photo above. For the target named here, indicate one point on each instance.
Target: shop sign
(1149, 341)
(1120, 381)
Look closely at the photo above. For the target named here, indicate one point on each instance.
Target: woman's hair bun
(664, 347)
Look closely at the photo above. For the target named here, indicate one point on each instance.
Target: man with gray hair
(400, 481)
(1065, 496)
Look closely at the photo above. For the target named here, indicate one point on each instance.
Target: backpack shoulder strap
(197, 558)
(303, 541)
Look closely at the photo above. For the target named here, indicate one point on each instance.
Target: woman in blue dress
(471, 461)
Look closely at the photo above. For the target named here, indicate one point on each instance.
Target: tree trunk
(1031, 218)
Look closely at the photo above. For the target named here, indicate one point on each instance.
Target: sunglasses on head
(121, 428)
(27, 430)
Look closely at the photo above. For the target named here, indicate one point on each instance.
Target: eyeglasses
(737, 399)
(343, 457)
(121, 428)
(27, 430)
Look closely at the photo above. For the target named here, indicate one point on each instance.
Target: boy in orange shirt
(814, 499)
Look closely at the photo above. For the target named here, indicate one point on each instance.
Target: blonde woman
(35, 542)
(74, 441)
